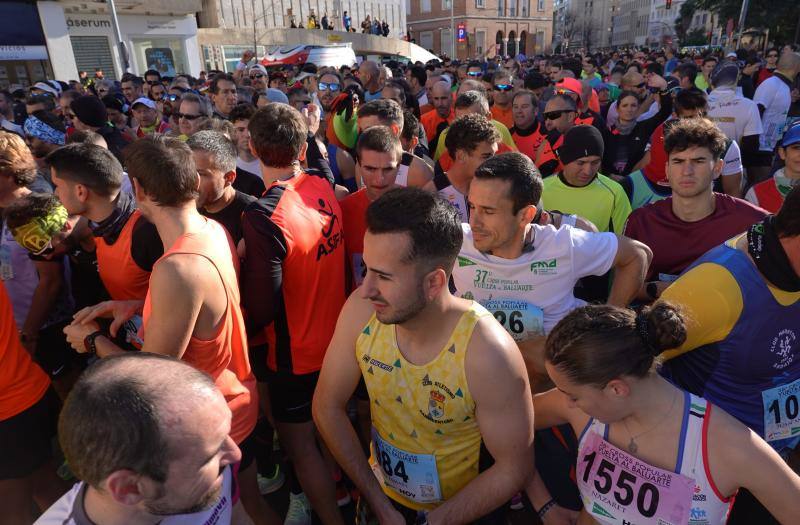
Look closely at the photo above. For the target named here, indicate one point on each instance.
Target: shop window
(167, 56)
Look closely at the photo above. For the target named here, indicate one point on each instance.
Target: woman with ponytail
(650, 452)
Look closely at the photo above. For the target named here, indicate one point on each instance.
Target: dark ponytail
(595, 344)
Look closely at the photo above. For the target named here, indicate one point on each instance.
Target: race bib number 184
(414, 476)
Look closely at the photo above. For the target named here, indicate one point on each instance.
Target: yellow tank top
(425, 437)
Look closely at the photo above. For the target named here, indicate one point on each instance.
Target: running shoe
(270, 484)
(299, 511)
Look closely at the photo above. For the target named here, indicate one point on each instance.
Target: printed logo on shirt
(782, 346)
(463, 261)
(330, 231)
(546, 267)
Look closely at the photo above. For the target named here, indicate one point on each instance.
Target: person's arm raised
(337, 381)
(498, 382)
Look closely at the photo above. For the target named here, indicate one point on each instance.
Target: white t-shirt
(452, 195)
(733, 160)
(253, 166)
(68, 510)
(774, 94)
(735, 115)
(530, 294)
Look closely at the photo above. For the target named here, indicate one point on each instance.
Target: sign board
(461, 32)
(13, 52)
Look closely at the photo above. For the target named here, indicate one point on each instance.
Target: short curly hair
(465, 133)
(695, 132)
(16, 160)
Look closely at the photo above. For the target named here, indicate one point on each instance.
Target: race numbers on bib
(521, 319)
(621, 489)
(414, 476)
(782, 411)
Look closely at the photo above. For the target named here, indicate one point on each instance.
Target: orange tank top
(22, 382)
(224, 357)
(121, 276)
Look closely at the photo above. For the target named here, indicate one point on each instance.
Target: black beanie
(90, 110)
(581, 141)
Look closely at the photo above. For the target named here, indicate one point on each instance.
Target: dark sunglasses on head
(329, 86)
(257, 75)
(179, 115)
(503, 87)
(553, 115)
(474, 73)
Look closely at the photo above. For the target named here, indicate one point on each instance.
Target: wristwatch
(652, 290)
(89, 342)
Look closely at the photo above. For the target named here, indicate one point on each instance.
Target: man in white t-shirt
(774, 98)
(148, 435)
(738, 117)
(525, 273)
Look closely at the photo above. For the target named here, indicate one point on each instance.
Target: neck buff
(42, 131)
(110, 228)
(770, 258)
(36, 235)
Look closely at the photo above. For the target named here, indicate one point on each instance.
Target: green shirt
(700, 82)
(602, 201)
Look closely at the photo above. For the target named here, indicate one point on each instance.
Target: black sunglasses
(257, 75)
(553, 115)
(179, 116)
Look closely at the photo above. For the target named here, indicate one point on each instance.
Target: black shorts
(290, 396)
(54, 354)
(248, 447)
(26, 439)
(258, 362)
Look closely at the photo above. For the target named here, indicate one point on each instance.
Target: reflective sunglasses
(329, 86)
(474, 73)
(503, 87)
(553, 115)
(179, 115)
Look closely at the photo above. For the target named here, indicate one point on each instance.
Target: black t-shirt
(231, 216)
(146, 245)
(248, 183)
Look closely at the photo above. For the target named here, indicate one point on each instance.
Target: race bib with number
(414, 476)
(782, 411)
(621, 489)
(521, 319)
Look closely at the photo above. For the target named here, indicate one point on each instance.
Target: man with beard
(443, 377)
(149, 438)
(329, 86)
(259, 79)
(369, 73)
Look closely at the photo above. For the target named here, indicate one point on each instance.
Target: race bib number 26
(521, 319)
(619, 488)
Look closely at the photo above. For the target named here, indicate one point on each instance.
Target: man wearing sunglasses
(151, 78)
(502, 93)
(474, 70)
(559, 117)
(259, 79)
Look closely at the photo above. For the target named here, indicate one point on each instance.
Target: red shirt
(223, 357)
(433, 124)
(528, 141)
(354, 217)
(22, 382)
(293, 275)
(676, 244)
(656, 169)
(504, 116)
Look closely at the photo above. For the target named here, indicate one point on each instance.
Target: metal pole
(123, 52)
(452, 33)
(255, 39)
(742, 18)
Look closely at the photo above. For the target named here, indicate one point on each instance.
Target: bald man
(148, 435)
(471, 85)
(437, 119)
(634, 81)
(369, 72)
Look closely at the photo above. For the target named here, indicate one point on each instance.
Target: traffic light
(668, 5)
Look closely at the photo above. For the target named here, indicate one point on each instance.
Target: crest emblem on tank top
(782, 348)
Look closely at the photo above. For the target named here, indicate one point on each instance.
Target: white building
(661, 26)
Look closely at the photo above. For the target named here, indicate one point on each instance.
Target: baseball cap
(259, 68)
(302, 76)
(571, 84)
(276, 95)
(146, 101)
(792, 134)
(46, 87)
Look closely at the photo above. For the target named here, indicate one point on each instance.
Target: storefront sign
(461, 32)
(23, 52)
(96, 23)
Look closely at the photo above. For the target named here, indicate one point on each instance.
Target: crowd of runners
(445, 292)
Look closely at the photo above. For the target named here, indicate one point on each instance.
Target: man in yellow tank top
(443, 376)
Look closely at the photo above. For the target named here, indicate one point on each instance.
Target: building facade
(661, 26)
(489, 27)
(591, 24)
